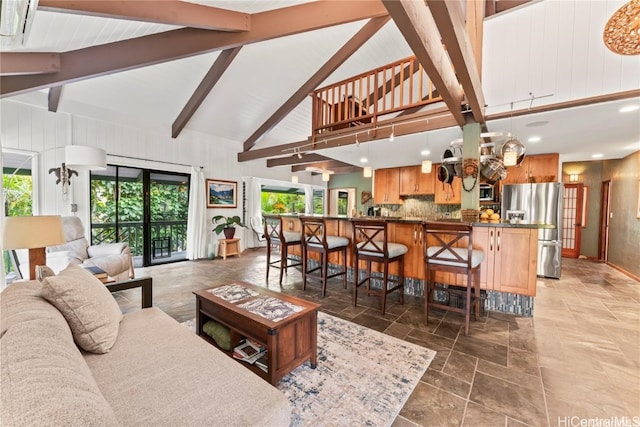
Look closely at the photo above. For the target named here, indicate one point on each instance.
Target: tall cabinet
(386, 186)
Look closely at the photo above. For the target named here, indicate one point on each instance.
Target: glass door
(147, 209)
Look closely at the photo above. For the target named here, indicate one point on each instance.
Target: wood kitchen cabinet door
(411, 236)
(510, 258)
(386, 188)
(534, 168)
(449, 194)
(414, 182)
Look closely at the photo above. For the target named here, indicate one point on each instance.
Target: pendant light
(294, 179)
(426, 164)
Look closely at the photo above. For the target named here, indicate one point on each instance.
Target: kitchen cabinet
(538, 168)
(414, 182)
(411, 236)
(449, 194)
(386, 186)
(510, 258)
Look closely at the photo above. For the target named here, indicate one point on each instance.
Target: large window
(281, 199)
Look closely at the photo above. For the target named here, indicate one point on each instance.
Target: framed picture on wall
(221, 194)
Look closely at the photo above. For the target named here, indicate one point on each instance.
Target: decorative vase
(229, 232)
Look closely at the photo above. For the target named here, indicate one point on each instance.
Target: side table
(228, 247)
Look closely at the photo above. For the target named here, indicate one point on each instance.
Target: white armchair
(114, 258)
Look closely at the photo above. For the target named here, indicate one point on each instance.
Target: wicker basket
(470, 215)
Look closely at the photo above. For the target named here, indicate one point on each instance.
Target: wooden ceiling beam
(157, 48)
(475, 29)
(170, 12)
(328, 165)
(360, 38)
(417, 25)
(434, 119)
(18, 63)
(304, 158)
(450, 20)
(53, 98)
(216, 71)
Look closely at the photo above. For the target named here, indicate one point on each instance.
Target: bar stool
(371, 244)
(316, 239)
(276, 236)
(449, 248)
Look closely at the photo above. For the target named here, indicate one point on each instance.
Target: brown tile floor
(577, 359)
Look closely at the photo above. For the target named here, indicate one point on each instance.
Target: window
(17, 185)
(282, 199)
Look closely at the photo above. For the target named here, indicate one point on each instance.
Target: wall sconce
(294, 179)
(367, 172)
(79, 157)
(574, 177)
(426, 166)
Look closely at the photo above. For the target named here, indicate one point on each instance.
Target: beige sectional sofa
(151, 371)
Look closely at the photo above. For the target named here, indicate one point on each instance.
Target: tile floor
(576, 361)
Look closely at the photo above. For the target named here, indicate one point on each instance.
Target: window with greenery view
(277, 200)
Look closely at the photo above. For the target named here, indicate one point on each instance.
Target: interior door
(605, 215)
(571, 220)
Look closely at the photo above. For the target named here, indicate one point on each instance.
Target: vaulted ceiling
(243, 70)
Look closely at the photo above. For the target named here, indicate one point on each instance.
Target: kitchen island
(508, 271)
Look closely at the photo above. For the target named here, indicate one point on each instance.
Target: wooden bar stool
(316, 239)
(276, 236)
(449, 249)
(371, 244)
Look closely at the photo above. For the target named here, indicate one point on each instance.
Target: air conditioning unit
(16, 17)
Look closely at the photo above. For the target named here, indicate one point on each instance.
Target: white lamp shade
(326, 176)
(367, 172)
(510, 158)
(294, 179)
(27, 232)
(83, 157)
(426, 166)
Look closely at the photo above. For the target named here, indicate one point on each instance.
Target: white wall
(35, 129)
(553, 47)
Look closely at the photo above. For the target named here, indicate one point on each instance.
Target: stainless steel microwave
(486, 192)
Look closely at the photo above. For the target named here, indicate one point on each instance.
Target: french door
(145, 208)
(572, 220)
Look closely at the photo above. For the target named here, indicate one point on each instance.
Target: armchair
(114, 258)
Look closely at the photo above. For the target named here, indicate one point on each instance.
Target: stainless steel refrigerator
(541, 204)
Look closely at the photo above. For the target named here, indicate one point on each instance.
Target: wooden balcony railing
(365, 98)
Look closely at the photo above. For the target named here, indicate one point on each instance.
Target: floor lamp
(34, 233)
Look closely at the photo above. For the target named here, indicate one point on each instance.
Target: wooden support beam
(304, 158)
(360, 38)
(415, 22)
(475, 29)
(434, 119)
(154, 49)
(53, 99)
(17, 63)
(450, 21)
(328, 165)
(216, 71)
(181, 13)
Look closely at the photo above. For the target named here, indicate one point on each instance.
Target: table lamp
(33, 233)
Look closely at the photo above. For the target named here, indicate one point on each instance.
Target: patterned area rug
(363, 377)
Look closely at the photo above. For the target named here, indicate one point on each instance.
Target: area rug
(363, 377)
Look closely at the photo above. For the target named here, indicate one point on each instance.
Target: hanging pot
(444, 175)
(493, 171)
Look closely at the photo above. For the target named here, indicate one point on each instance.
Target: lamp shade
(27, 232)
(426, 166)
(294, 179)
(326, 176)
(367, 171)
(83, 157)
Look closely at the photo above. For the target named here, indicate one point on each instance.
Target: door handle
(491, 241)
(498, 241)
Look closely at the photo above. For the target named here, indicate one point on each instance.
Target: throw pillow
(87, 305)
(43, 271)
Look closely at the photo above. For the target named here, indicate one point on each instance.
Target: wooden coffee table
(285, 325)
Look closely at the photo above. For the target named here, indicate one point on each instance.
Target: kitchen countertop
(418, 220)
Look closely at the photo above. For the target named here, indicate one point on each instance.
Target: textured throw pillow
(90, 309)
(43, 271)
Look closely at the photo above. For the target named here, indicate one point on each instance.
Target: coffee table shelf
(290, 341)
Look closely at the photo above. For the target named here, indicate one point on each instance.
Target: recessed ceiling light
(363, 160)
(534, 139)
(597, 156)
(425, 152)
(629, 108)
(537, 124)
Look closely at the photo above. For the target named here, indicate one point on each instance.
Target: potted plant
(226, 225)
